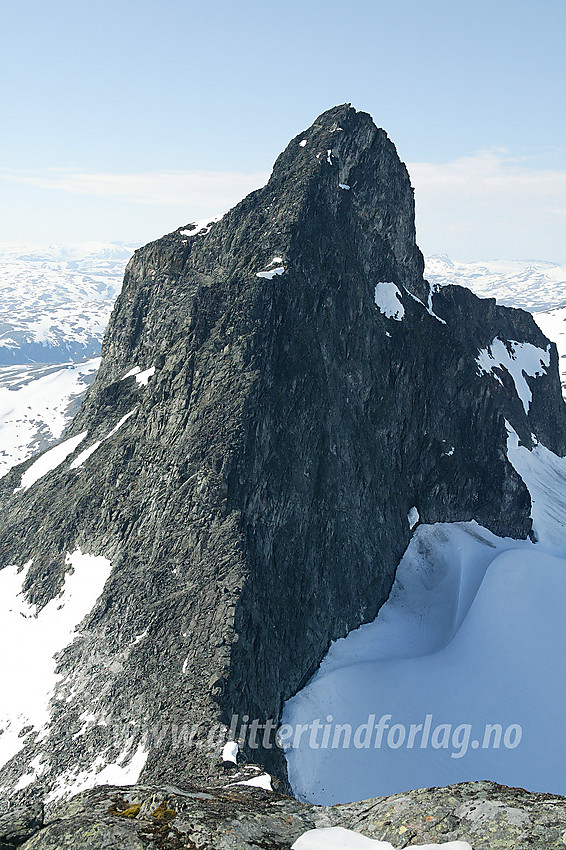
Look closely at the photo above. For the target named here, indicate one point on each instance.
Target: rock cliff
(299, 390)
(140, 817)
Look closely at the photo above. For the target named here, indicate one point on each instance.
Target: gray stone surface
(19, 824)
(488, 816)
(254, 507)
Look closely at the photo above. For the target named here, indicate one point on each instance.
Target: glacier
(468, 648)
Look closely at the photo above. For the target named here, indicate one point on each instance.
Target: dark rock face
(484, 814)
(19, 824)
(254, 506)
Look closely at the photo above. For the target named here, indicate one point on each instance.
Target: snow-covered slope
(461, 676)
(55, 301)
(36, 405)
(39, 635)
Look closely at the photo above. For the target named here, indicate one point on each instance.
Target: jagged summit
(279, 392)
(362, 157)
(338, 202)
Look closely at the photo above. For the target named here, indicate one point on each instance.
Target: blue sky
(123, 120)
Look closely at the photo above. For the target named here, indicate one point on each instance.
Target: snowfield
(36, 405)
(55, 302)
(462, 674)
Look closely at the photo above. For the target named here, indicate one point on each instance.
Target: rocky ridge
(253, 501)
(141, 817)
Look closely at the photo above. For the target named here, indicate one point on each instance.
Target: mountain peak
(279, 391)
(348, 174)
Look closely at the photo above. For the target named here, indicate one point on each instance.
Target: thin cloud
(490, 204)
(489, 173)
(215, 189)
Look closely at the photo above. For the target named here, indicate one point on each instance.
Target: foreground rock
(19, 824)
(486, 815)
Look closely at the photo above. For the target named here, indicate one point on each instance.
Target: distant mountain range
(55, 301)
(531, 284)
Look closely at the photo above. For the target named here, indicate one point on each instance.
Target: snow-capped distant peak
(530, 284)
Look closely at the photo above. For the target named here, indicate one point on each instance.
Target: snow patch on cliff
(388, 300)
(230, 752)
(518, 359)
(200, 227)
(49, 461)
(261, 781)
(544, 474)
(29, 640)
(83, 456)
(413, 517)
(124, 771)
(428, 305)
(269, 275)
